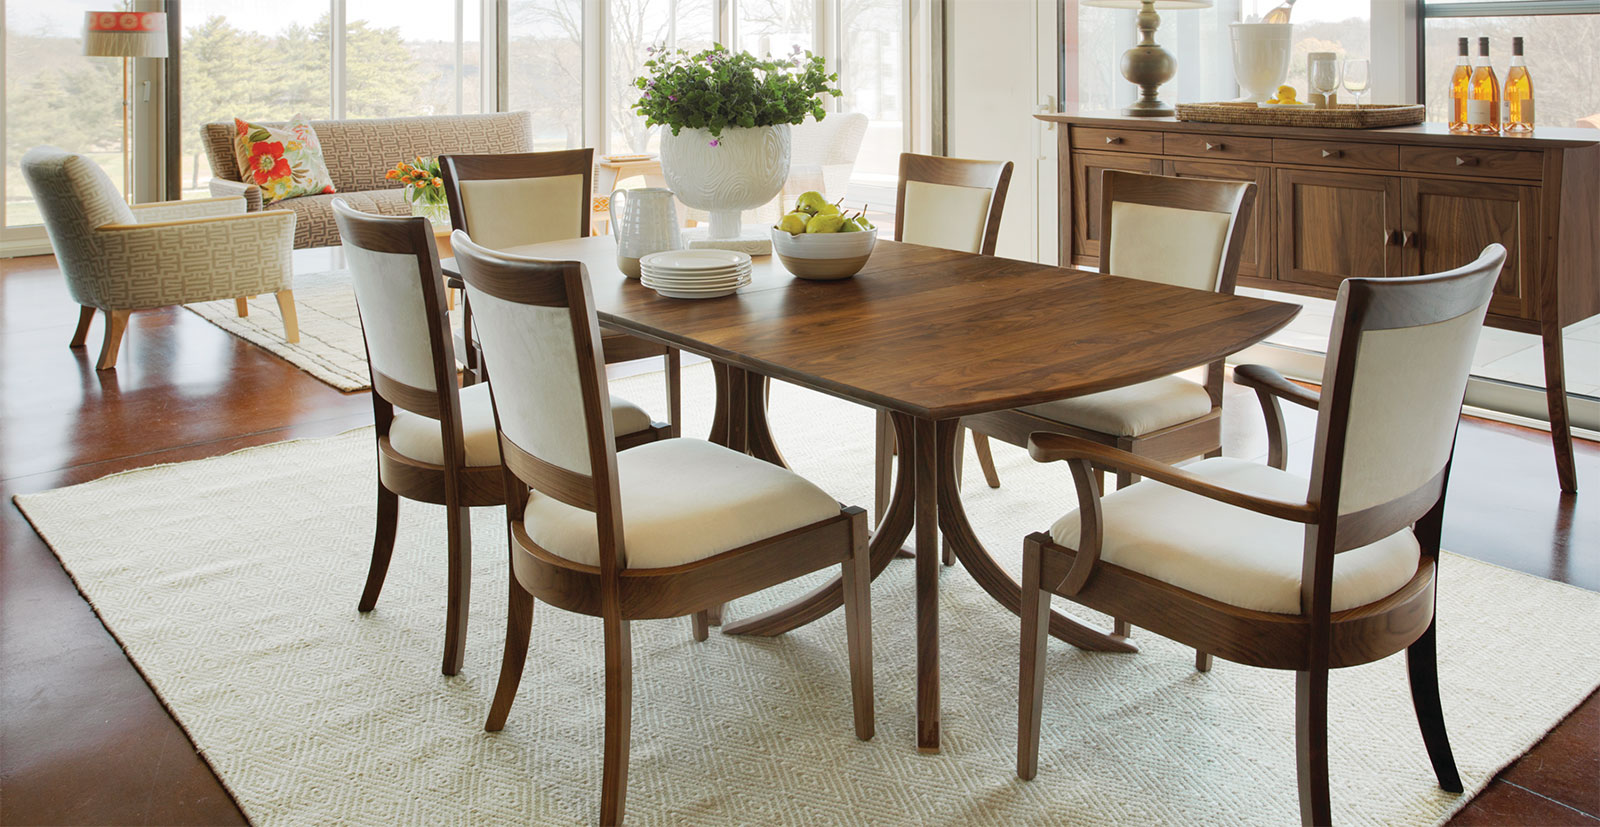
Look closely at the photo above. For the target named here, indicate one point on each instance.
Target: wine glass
(1324, 76)
(1357, 76)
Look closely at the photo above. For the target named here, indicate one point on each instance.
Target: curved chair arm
(177, 262)
(1047, 447)
(223, 188)
(188, 210)
(1270, 386)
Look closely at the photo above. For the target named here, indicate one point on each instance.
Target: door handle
(1333, 153)
(1410, 239)
(1391, 237)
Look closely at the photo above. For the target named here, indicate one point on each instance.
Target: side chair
(955, 204)
(436, 443)
(668, 529)
(1259, 566)
(509, 200)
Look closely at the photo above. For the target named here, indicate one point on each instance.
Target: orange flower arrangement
(422, 178)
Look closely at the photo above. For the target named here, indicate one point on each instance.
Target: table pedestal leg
(923, 460)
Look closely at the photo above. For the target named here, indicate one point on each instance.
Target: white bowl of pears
(823, 241)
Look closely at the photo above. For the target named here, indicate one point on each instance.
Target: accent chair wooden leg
(1121, 628)
(382, 547)
(714, 614)
(1125, 479)
(619, 720)
(980, 444)
(674, 392)
(291, 320)
(458, 522)
(701, 624)
(81, 335)
(242, 305)
(1030, 679)
(857, 583)
(116, 325)
(1422, 664)
(519, 625)
(1202, 661)
(1311, 745)
(882, 464)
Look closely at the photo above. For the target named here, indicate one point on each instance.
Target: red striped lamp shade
(125, 34)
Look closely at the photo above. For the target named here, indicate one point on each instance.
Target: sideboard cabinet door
(1256, 260)
(1452, 221)
(1335, 225)
(1086, 169)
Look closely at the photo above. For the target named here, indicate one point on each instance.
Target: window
(872, 77)
(545, 69)
(775, 27)
(407, 57)
(1566, 73)
(637, 25)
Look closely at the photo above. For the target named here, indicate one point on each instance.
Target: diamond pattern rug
(232, 583)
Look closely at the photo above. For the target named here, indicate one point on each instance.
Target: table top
(936, 333)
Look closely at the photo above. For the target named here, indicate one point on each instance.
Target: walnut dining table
(928, 335)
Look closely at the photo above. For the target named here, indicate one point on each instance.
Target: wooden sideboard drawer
(1494, 163)
(1341, 154)
(1116, 140)
(1220, 147)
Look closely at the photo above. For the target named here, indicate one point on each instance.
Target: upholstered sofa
(358, 153)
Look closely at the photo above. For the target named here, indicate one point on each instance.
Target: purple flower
(672, 97)
(716, 142)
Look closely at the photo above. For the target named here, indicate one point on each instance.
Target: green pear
(794, 223)
(824, 223)
(829, 209)
(812, 202)
(849, 227)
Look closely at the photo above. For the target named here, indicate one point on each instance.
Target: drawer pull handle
(1112, 139)
(1466, 162)
(1333, 153)
(1410, 239)
(1390, 237)
(1217, 147)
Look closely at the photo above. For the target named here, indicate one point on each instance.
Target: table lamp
(1147, 64)
(125, 34)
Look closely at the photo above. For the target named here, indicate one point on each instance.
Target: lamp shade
(125, 34)
(1161, 5)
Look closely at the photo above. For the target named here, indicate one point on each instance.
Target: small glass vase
(438, 213)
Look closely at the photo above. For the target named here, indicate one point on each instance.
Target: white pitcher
(643, 221)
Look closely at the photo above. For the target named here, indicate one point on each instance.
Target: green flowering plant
(717, 89)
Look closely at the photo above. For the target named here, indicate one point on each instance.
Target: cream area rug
(330, 346)
(232, 583)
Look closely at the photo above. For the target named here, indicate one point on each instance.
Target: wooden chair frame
(1318, 639)
(994, 176)
(618, 347)
(1185, 439)
(612, 591)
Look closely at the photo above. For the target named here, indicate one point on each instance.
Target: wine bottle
(1280, 14)
(1460, 88)
(1519, 94)
(1483, 106)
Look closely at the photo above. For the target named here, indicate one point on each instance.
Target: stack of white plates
(695, 274)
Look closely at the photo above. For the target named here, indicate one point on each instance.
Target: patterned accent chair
(358, 153)
(119, 259)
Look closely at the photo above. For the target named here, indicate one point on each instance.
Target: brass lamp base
(1148, 65)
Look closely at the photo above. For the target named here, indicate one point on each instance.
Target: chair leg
(1030, 680)
(1202, 661)
(458, 521)
(674, 392)
(382, 547)
(980, 444)
(1423, 666)
(619, 720)
(242, 305)
(1121, 628)
(1311, 745)
(116, 325)
(701, 624)
(81, 335)
(1125, 479)
(882, 464)
(291, 320)
(857, 583)
(714, 614)
(519, 625)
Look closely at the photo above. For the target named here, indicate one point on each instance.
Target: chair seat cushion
(1232, 555)
(1135, 410)
(419, 438)
(684, 500)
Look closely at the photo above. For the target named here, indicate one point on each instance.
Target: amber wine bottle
(1460, 88)
(1519, 94)
(1483, 105)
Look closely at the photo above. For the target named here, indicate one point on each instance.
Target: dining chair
(435, 443)
(953, 203)
(664, 530)
(505, 201)
(1253, 564)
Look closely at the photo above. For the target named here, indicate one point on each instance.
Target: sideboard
(1336, 203)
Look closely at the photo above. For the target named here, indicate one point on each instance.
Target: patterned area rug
(240, 610)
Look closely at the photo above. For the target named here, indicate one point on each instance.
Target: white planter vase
(743, 170)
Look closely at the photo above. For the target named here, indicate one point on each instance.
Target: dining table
(929, 335)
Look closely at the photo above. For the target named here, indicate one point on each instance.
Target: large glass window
(872, 77)
(1566, 75)
(637, 25)
(401, 57)
(545, 69)
(775, 27)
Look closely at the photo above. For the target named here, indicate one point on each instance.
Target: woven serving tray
(1342, 116)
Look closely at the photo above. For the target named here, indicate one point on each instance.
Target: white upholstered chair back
(531, 352)
(505, 201)
(1394, 380)
(1170, 230)
(389, 296)
(953, 203)
(75, 196)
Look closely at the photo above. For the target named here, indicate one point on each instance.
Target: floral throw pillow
(284, 163)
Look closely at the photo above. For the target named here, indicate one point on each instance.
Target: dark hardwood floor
(83, 740)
